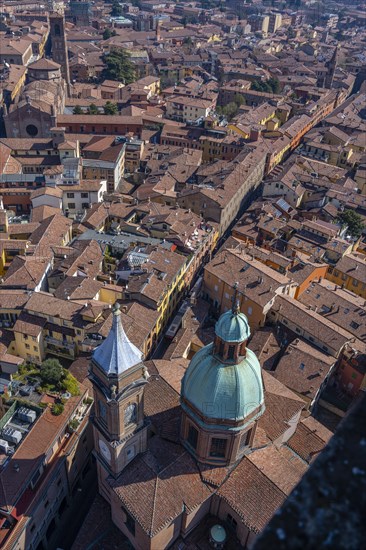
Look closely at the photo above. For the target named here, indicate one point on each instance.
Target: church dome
(233, 326)
(221, 391)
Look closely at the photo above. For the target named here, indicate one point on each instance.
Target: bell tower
(59, 46)
(118, 377)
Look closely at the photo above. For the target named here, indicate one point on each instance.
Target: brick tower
(119, 377)
(59, 46)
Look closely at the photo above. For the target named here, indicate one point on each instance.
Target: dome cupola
(222, 393)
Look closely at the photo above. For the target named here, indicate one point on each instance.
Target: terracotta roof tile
(156, 485)
(253, 496)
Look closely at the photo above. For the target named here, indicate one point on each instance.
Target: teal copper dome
(221, 391)
(233, 326)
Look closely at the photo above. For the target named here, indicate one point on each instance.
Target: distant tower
(331, 66)
(158, 35)
(119, 377)
(59, 46)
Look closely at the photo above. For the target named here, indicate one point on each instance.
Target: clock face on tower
(106, 453)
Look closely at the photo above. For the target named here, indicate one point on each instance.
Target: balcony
(60, 347)
(60, 343)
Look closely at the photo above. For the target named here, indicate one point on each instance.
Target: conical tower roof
(116, 354)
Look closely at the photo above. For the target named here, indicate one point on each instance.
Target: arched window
(57, 30)
(130, 414)
(231, 353)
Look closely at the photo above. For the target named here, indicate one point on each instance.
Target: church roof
(116, 354)
(44, 65)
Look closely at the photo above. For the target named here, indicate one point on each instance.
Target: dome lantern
(232, 332)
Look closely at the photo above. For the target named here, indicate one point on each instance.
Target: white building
(188, 109)
(77, 198)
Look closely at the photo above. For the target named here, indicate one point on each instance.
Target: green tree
(57, 409)
(52, 372)
(228, 111)
(119, 67)
(270, 86)
(116, 9)
(353, 221)
(77, 110)
(110, 108)
(239, 100)
(274, 84)
(107, 33)
(93, 109)
(70, 384)
(188, 41)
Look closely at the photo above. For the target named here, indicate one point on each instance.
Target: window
(192, 438)
(130, 414)
(84, 195)
(245, 440)
(354, 325)
(36, 477)
(102, 411)
(71, 205)
(230, 353)
(250, 310)
(85, 205)
(231, 522)
(27, 346)
(355, 282)
(31, 130)
(218, 447)
(130, 522)
(70, 195)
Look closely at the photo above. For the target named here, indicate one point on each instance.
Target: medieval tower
(59, 46)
